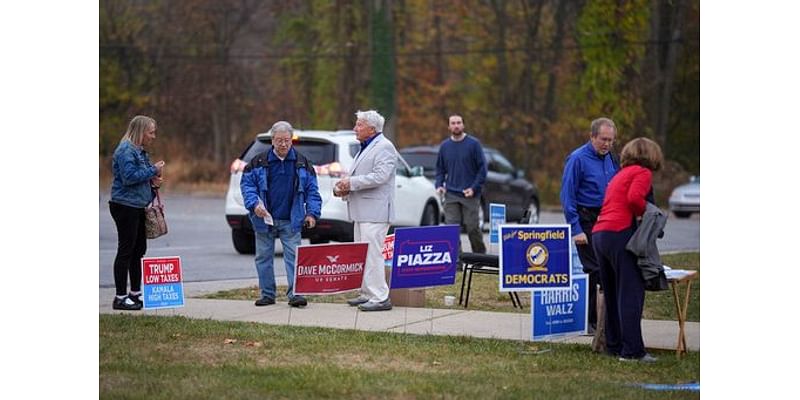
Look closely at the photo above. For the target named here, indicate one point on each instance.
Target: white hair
(372, 118)
(282, 126)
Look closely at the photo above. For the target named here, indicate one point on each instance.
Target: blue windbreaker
(306, 200)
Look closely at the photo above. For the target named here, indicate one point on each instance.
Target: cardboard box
(405, 297)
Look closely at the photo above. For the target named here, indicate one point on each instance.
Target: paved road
(199, 234)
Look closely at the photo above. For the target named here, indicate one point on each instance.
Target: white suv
(332, 153)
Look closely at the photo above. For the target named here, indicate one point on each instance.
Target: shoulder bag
(154, 223)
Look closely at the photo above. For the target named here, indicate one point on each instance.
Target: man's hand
(342, 187)
(440, 190)
(580, 239)
(310, 222)
(261, 211)
(156, 182)
(468, 192)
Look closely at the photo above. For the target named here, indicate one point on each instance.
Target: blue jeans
(265, 254)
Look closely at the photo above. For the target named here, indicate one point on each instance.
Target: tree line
(528, 76)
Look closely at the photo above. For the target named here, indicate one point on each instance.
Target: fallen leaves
(248, 343)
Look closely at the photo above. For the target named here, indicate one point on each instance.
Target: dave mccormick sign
(329, 268)
(425, 256)
(535, 257)
(163, 282)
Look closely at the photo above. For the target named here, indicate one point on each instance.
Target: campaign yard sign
(497, 217)
(329, 268)
(163, 282)
(388, 250)
(425, 256)
(535, 257)
(556, 313)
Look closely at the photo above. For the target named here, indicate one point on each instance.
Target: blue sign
(563, 312)
(535, 257)
(425, 256)
(163, 296)
(577, 265)
(497, 217)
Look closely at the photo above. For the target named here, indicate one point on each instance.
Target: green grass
(484, 295)
(148, 357)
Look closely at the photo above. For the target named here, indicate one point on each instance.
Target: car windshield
(426, 160)
(320, 153)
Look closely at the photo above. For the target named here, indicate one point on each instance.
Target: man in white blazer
(369, 193)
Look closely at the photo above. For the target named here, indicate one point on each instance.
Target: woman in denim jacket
(132, 190)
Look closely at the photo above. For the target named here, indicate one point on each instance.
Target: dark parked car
(504, 183)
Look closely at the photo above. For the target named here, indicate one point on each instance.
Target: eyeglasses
(282, 141)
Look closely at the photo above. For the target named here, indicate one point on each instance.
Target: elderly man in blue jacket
(280, 192)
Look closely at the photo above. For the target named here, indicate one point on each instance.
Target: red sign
(388, 248)
(329, 268)
(161, 270)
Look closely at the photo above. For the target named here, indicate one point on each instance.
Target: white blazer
(371, 197)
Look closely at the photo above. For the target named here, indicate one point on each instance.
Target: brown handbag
(154, 223)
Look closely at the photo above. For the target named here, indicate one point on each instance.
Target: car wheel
(244, 242)
(683, 214)
(429, 215)
(532, 213)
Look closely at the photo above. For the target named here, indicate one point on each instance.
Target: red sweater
(625, 198)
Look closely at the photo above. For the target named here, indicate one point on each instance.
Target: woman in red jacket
(621, 279)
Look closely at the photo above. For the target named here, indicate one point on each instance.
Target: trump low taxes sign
(163, 282)
(535, 257)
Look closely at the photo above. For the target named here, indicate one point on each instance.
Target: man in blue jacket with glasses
(280, 191)
(587, 172)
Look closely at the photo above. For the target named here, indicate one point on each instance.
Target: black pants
(624, 291)
(587, 217)
(131, 246)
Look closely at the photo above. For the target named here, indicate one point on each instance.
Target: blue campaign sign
(425, 256)
(556, 313)
(577, 266)
(497, 217)
(535, 257)
(163, 296)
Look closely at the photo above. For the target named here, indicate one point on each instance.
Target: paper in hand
(268, 219)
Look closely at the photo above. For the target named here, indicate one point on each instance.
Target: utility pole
(382, 65)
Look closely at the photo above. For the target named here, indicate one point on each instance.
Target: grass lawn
(150, 357)
(485, 296)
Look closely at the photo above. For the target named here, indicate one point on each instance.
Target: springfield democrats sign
(329, 268)
(425, 256)
(535, 257)
(163, 282)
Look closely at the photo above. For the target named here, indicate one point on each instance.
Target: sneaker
(298, 301)
(265, 301)
(358, 300)
(125, 303)
(646, 358)
(372, 306)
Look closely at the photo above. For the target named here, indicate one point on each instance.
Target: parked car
(504, 183)
(332, 153)
(685, 199)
